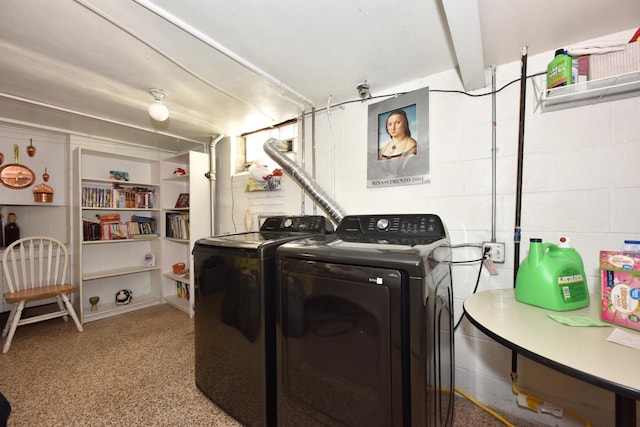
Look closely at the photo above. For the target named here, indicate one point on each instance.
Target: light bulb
(158, 111)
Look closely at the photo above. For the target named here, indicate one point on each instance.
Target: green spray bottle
(552, 277)
(559, 71)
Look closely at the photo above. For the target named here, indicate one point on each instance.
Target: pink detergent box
(620, 293)
(622, 260)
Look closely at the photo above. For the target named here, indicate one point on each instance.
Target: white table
(581, 352)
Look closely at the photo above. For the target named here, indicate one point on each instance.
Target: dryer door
(339, 344)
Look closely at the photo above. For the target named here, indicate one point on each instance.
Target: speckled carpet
(136, 369)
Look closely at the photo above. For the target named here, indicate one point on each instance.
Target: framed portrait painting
(398, 140)
(183, 200)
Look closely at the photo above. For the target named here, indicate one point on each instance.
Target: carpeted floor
(135, 369)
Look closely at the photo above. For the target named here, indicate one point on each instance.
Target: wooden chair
(36, 268)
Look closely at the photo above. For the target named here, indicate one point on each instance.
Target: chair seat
(37, 293)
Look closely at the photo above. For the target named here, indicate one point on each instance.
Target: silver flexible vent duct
(307, 183)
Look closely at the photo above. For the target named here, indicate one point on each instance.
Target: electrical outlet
(496, 251)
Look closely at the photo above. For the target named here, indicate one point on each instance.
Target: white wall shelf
(108, 309)
(117, 209)
(115, 242)
(173, 239)
(174, 298)
(178, 290)
(587, 93)
(116, 272)
(103, 267)
(86, 180)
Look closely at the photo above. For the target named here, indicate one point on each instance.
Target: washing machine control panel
(297, 224)
(402, 227)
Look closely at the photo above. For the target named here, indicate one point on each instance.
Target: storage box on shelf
(615, 63)
(116, 230)
(186, 217)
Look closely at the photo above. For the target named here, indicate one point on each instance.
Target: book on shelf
(114, 217)
(109, 227)
(177, 225)
(122, 197)
(91, 230)
(145, 222)
(182, 289)
(145, 198)
(94, 220)
(113, 231)
(140, 228)
(144, 227)
(118, 196)
(140, 218)
(96, 197)
(102, 227)
(144, 236)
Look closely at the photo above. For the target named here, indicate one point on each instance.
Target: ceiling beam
(194, 32)
(464, 26)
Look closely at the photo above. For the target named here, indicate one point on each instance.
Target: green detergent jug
(552, 277)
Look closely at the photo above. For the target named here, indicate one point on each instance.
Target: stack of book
(123, 197)
(145, 198)
(91, 229)
(96, 197)
(182, 290)
(110, 227)
(177, 225)
(132, 197)
(141, 227)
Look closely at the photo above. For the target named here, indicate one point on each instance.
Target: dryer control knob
(288, 222)
(382, 224)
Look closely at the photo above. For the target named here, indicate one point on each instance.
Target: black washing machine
(365, 325)
(235, 302)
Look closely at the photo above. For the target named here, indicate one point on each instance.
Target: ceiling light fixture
(157, 110)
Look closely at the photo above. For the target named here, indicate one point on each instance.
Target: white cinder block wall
(581, 180)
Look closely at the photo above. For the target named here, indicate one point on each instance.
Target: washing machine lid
(404, 241)
(250, 240)
(332, 248)
(274, 230)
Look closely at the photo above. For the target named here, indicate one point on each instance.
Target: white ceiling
(231, 67)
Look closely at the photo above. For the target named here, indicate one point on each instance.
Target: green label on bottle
(559, 72)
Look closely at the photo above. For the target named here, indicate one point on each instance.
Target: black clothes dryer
(364, 330)
(235, 316)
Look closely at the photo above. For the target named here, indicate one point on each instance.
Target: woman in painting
(401, 143)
